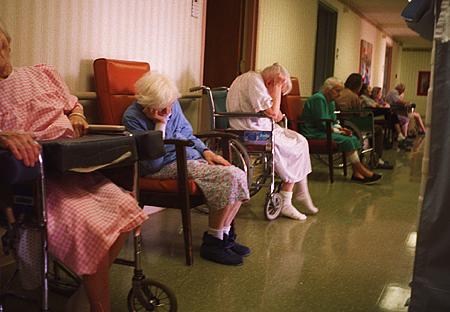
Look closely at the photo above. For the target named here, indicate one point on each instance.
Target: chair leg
(330, 166)
(344, 161)
(187, 234)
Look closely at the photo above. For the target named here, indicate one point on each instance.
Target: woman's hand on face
(79, 125)
(22, 145)
(279, 80)
(157, 115)
(214, 159)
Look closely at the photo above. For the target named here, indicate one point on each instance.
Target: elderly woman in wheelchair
(254, 92)
(223, 185)
(88, 216)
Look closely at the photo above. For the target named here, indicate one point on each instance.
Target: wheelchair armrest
(217, 134)
(179, 143)
(63, 155)
(241, 115)
(13, 171)
(327, 120)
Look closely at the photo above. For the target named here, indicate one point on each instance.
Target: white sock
(400, 137)
(216, 233)
(287, 209)
(287, 197)
(380, 161)
(226, 229)
(302, 195)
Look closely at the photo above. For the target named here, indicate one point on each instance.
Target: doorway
(325, 45)
(230, 40)
(387, 70)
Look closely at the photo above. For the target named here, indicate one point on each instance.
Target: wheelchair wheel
(151, 295)
(241, 159)
(272, 207)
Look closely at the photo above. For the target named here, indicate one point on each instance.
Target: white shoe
(291, 212)
(308, 204)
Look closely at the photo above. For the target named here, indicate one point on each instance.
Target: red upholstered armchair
(115, 81)
(292, 107)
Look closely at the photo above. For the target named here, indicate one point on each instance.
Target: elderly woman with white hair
(321, 106)
(261, 92)
(223, 185)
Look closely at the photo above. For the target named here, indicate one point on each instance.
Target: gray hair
(331, 83)
(3, 30)
(400, 86)
(156, 91)
(274, 70)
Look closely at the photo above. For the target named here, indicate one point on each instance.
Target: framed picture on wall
(423, 82)
(365, 61)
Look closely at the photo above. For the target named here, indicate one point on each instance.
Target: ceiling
(385, 15)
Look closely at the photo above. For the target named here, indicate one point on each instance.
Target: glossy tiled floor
(352, 256)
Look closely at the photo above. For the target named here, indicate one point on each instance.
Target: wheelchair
(361, 123)
(115, 156)
(253, 152)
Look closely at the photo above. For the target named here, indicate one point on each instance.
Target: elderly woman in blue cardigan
(223, 185)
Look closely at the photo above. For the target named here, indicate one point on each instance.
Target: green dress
(317, 107)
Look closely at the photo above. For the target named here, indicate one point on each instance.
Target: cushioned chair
(292, 107)
(115, 81)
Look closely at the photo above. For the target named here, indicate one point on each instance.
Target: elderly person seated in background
(366, 99)
(89, 217)
(377, 96)
(402, 107)
(349, 100)
(224, 186)
(321, 106)
(254, 92)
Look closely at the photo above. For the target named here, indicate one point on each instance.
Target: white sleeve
(161, 126)
(259, 96)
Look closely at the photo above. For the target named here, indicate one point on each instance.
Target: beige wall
(70, 34)
(287, 34)
(411, 63)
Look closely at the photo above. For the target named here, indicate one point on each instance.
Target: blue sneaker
(231, 243)
(217, 250)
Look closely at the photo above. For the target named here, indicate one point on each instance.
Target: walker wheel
(272, 207)
(151, 295)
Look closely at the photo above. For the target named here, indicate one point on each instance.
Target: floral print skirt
(221, 185)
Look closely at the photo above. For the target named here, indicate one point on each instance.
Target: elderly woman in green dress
(321, 106)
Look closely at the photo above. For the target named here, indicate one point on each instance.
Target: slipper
(367, 180)
(386, 165)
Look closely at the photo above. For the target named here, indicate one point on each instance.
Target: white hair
(274, 70)
(3, 30)
(330, 83)
(156, 91)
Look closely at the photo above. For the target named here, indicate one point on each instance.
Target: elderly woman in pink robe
(89, 217)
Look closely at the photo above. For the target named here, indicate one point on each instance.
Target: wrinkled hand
(79, 125)
(156, 116)
(214, 159)
(279, 117)
(22, 145)
(346, 131)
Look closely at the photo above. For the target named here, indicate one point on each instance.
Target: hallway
(355, 255)
(343, 259)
